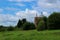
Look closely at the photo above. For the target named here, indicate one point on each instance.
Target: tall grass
(30, 35)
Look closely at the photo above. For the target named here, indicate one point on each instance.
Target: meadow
(30, 35)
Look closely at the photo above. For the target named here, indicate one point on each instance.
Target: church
(37, 19)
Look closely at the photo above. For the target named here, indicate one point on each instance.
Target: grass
(31, 35)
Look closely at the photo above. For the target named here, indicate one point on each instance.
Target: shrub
(10, 28)
(2, 29)
(28, 26)
(54, 21)
(41, 26)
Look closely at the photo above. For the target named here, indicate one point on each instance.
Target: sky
(13, 10)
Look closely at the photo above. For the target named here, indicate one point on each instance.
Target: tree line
(46, 23)
(50, 23)
(21, 25)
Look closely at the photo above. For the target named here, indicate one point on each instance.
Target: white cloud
(48, 3)
(47, 6)
(21, 0)
(8, 19)
(19, 4)
(1, 10)
(11, 8)
(46, 14)
(28, 14)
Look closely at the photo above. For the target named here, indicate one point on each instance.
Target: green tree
(19, 24)
(28, 26)
(3, 28)
(24, 21)
(45, 21)
(41, 26)
(10, 28)
(54, 21)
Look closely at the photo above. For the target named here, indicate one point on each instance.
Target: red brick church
(37, 19)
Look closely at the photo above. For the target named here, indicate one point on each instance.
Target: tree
(41, 26)
(10, 28)
(28, 26)
(24, 21)
(54, 21)
(45, 21)
(3, 28)
(19, 24)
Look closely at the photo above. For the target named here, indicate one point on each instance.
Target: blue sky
(13, 10)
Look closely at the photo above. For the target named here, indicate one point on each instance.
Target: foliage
(24, 21)
(25, 25)
(19, 24)
(10, 28)
(41, 26)
(28, 26)
(54, 21)
(2, 28)
(45, 21)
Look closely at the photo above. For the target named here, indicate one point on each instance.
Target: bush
(10, 28)
(54, 21)
(28, 26)
(41, 26)
(45, 21)
(2, 29)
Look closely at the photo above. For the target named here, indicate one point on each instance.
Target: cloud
(8, 19)
(20, 4)
(52, 1)
(41, 3)
(10, 8)
(21, 0)
(28, 14)
(48, 6)
(49, 3)
(46, 14)
(37, 7)
(1, 10)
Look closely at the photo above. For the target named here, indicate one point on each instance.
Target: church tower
(37, 19)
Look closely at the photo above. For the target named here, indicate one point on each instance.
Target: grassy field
(31, 35)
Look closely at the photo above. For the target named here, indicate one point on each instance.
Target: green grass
(31, 35)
